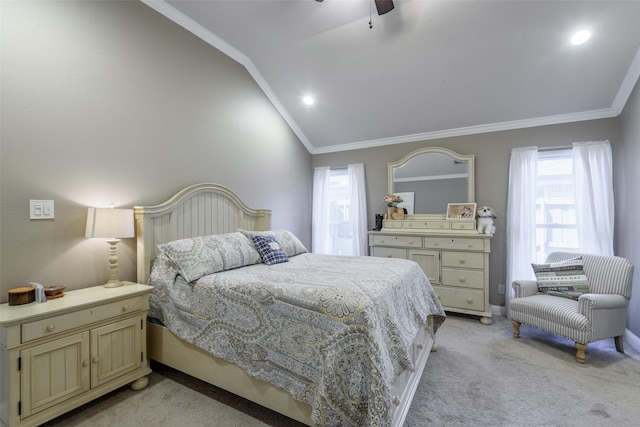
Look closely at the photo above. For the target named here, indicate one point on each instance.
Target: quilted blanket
(333, 331)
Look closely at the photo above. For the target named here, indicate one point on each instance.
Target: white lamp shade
(110, 223)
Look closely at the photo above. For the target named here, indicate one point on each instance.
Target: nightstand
(58, 355)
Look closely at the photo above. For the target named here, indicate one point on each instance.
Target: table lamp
(113, 225)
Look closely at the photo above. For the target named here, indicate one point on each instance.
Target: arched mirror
(432, 177)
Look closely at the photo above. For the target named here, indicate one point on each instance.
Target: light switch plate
(41, 209)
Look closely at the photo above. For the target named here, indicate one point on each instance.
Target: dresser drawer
(64, 322)
(454, 243)
(427, 225)
(392, 224)
(463, 225)
(463, 278)
(466, 299)
(389, 252)
(463, 259)
(404, 241)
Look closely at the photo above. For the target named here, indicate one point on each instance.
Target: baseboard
(629, 337)
(632, 339)
(499, 310)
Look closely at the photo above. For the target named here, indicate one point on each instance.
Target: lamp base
(113, 284)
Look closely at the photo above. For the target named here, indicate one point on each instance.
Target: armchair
(599, 314)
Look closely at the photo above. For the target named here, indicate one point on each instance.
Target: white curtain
(320, 224)
(521, 210)
(593, 181)
(358, 209)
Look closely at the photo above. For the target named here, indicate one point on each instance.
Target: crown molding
(628, 83)
(472, 130)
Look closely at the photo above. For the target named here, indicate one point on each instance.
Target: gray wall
(627, 177)
(492, 153)
(110, 102)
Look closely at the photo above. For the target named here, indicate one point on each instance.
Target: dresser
(58, 355)
(452, 254)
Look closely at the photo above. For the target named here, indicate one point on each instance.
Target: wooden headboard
(198, 210)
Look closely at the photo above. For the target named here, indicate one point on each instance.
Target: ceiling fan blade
(384, 6)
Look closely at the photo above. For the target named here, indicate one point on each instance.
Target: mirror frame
(469, 158)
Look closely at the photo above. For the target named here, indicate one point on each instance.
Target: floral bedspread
(333, 331)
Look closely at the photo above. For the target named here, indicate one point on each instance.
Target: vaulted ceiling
(427, 69)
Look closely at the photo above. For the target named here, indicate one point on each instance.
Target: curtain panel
(358, 209)
(593, 183)
(320, 216)
(521, 220)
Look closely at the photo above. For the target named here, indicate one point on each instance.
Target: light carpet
(480, 376)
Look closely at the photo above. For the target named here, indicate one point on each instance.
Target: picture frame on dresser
(407, 201)
(457, 211)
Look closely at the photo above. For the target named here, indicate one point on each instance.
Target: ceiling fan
(383, 6)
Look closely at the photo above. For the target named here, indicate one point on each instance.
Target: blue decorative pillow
(289, 243)
(269, 249)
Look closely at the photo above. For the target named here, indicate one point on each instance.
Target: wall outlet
(500, 289)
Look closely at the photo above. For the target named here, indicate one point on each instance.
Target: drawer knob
(388, 255)
(470, 245)
(51, 327)
(462, 260)
(470, 300)
(462, 279)
(381, 241)
(85, 363)
(396, 400)
(435, 244)
(95, 359)
(126, 307)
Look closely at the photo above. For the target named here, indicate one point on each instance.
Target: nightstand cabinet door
(115, 350)
(53, 372)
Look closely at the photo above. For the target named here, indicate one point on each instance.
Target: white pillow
(199, 256)
(565, 278)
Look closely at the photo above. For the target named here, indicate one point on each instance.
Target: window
(552, 204)
(556, 228)
(339, 220)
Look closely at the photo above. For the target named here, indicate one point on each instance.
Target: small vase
(390, 211)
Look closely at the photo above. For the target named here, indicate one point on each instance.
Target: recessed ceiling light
(308, 100)
(580, 37)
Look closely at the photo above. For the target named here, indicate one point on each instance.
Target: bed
(323, 340)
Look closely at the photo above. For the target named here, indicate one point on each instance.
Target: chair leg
(581, 349)
(619, 344)
(516, 328)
